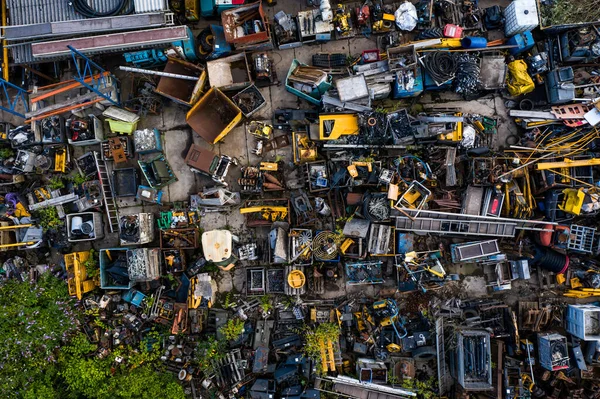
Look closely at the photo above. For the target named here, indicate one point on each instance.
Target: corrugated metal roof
(26, 12)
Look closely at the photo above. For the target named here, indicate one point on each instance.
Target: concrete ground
(177, 137)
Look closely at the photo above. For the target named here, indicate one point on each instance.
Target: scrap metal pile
(395, 235)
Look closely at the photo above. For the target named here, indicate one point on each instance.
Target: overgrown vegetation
(423, 389)
(91, 264)
(209, 352)
(562, 12)
(265, 303)
(233, 329)
(44, 356)
(36, 319)
(78, 179)
(6, 153)
(56, 183)
(325, 332)
(48, 218)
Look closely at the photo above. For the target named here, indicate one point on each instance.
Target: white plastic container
(520, 16)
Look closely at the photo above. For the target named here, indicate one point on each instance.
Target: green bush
(233, 329)
(48, 218)
(36, 319)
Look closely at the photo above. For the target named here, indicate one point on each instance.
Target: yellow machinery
(192, 10)
(573, 201)
(260, 130)
(272, 213)
(345, 245)
(7, 243)
(354, 172)
(334, 126)
(60, 160)
(454, 136)
(342, 20)
(327, 355)
(567, 163)
(304, 150)
(269, 166)
(78, 281)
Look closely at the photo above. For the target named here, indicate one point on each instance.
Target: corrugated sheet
(143, 6)
(26, 12)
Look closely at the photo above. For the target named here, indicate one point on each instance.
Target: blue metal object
(13, 101)
(398, 90)
(220, 46)
(87, 72)
(134, 297)
(146, 58)
(431, 85)
(524, 41)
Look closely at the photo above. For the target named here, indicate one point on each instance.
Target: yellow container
(211, 122)
(78, 282)
(122, 127)
(296, 279)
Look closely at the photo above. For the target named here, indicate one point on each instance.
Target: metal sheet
(83, 26)
(109, 43)
(144, 6)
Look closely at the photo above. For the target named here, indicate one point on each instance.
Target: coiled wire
(82, 7)
(441, 66)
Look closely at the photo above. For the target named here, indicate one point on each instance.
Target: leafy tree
(35, 319)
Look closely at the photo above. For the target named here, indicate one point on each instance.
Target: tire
(430, 33)
(205, 41)
(424, 353)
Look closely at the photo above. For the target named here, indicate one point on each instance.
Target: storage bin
(124, 182)
(182, 91)
(113, 265)
(222, 119)
(96, 128)
(143, 264)
(121, 121)
(147, 141)
(84, 226)
(520, 16)
(314, 97)
(583, 321)
(553, 352)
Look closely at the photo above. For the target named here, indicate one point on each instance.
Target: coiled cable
(441, 66)
(82, 7)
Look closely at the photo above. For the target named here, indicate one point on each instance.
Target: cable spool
(324, 246)
(550, 260)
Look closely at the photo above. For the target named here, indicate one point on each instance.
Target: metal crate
(474, 360)
(553, 351)
(583, 321)
(581, 238)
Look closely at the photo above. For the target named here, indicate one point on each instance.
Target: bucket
(474, 42)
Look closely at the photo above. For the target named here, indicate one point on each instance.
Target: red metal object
(370, 56)
(235, 19)
(454, 31)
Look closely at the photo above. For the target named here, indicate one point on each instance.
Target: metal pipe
(158, 73)
(16, 226)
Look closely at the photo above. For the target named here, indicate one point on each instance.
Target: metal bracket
(13, 100)
(97, 81)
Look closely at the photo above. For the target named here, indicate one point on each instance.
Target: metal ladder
(107, 192)
(459, 225)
